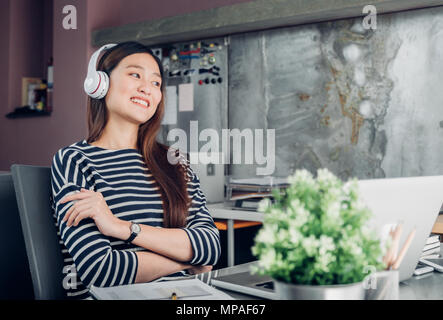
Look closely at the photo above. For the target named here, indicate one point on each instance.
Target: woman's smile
(141, 102)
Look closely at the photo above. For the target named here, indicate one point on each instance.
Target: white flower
(325, 176)
(323, 260)
(333, 210)
(282, 236)
(268, 258)
(264, 204)
(295, 204)
(326, 244)
(300, 215)
(351, 245)
(267, 235)
(294, 235)
(310, 244)
(350, 186)
(301, 176)
(355, 249)
(276, 212)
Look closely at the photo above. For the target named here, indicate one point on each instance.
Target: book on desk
(432, 248)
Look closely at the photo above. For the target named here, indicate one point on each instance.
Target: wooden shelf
(25, 112)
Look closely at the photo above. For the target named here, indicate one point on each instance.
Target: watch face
(135, 228)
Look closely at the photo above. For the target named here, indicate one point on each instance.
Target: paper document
(170, 115)
(186, 97)
(190, 289)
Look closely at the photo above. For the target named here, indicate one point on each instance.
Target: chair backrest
(15, 277)
(32, 185)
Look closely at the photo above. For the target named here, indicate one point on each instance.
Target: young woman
(124, 212)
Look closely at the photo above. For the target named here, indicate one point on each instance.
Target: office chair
(15, 277)
(33, 189)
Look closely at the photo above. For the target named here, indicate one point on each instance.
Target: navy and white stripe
(132, 195)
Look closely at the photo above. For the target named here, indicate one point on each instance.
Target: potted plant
(315, 242)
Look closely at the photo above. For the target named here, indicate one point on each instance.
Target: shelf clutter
(26, 112)
(245, 194)
(432, 248)
(36, 96)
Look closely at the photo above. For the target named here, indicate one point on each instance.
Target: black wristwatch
(135, 230)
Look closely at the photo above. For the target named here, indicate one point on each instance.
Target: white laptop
(414, 201)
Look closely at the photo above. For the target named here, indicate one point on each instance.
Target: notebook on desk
(188, 289)
(414, 201)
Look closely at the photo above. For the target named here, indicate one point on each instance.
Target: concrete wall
(363, 103)
(142, 10)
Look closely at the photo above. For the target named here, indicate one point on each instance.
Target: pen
(174, 296)
(397, 234)
(403, 250)
(388, 256)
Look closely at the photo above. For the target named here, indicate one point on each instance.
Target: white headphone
(97, 82)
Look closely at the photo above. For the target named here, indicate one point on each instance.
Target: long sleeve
(95, 261)
(202, 232)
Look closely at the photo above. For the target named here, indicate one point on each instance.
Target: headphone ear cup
(91, 83)
(97, 84)
(103, 85)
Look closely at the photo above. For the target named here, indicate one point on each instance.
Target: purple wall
(4, 79)
(26, 46)
(25, 33)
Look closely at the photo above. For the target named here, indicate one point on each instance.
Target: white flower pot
(289, 291)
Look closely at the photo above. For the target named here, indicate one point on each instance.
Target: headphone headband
(97, 82)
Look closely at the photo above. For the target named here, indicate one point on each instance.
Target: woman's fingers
(78, 209)
(82, 215)
(74, 206)
(76, 196)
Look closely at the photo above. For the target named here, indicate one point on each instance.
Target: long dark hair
(171, 179)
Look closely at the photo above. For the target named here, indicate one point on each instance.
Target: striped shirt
(131, 193)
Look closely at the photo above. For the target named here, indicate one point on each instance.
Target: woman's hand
(91, 204)
(199, 269)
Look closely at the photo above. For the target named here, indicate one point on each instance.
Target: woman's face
(134, 89)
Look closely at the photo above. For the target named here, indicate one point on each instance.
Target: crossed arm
(170, 248)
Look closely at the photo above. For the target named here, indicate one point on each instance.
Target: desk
(218, 211)
(425, 287)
